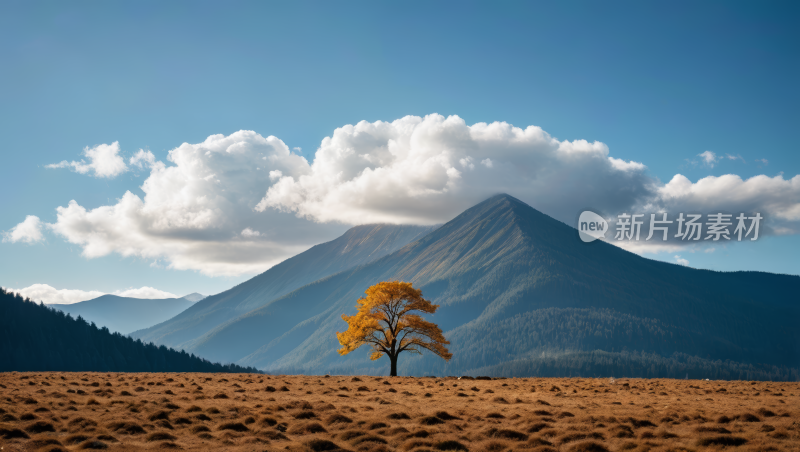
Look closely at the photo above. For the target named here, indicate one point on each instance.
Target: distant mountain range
(357, 246)
(125, 315)
(35, 337)
(520, 295)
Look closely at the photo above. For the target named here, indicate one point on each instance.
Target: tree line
(35, 337)
(572, 342)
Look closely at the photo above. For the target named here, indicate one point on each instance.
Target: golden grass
(80, 411)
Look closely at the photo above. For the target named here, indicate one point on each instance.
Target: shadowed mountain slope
(515, 284)
(359, 245)
(36, 337)
(125, 315)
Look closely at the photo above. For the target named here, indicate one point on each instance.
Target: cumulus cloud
(50, 295)
(680, 261)
(29, 231)
(104, 161)
(779, 198)
(427, 170)
(145, 159)
(275, 175)
(144, 292)
(247, 232)
(239, 204)
(774, 200)
(195, 210)
(709, 158)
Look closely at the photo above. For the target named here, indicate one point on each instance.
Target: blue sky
(657, 82)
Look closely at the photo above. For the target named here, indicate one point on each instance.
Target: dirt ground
(250, 412)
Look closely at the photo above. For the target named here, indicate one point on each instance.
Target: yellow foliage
(386, 321)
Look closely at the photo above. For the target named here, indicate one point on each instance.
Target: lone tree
(386, 321)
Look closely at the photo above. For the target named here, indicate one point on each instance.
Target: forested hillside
(519, 292)
(590, 342)
(34, 337)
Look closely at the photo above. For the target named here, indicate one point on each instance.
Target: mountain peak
(511, 283)
(507, 214)
(194, 297)
(503, 196)
(506, 202)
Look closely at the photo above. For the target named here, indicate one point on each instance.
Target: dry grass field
(248, 412)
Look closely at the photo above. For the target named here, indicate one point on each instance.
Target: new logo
(591, 226)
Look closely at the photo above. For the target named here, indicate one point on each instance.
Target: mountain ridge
(358, 245)
(503, 258)
(125, 314)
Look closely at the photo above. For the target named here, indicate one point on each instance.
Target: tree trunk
(393, 359)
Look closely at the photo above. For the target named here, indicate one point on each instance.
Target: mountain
(359, 245)
(35, 337)
(194, 297)
(126, 315)
(520, 294)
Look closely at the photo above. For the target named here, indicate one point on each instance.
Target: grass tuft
(430, 420)
(235, 426)
(160, 436)
(721, 441)
(321, 445)
(451, 445)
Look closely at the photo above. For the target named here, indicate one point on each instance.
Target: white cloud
(709, 158)
(423, 170)
(146, 159)
(144, 292)
(239, 204)
(622, 165)
(775, 196)
(775, 199)
(681, 261)
(193, 211)
(466, 163)
(647, 247)
(764, 162)
(247, 232)
(29, 231)
(104, 161)
(50, 295)
(734, 157)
